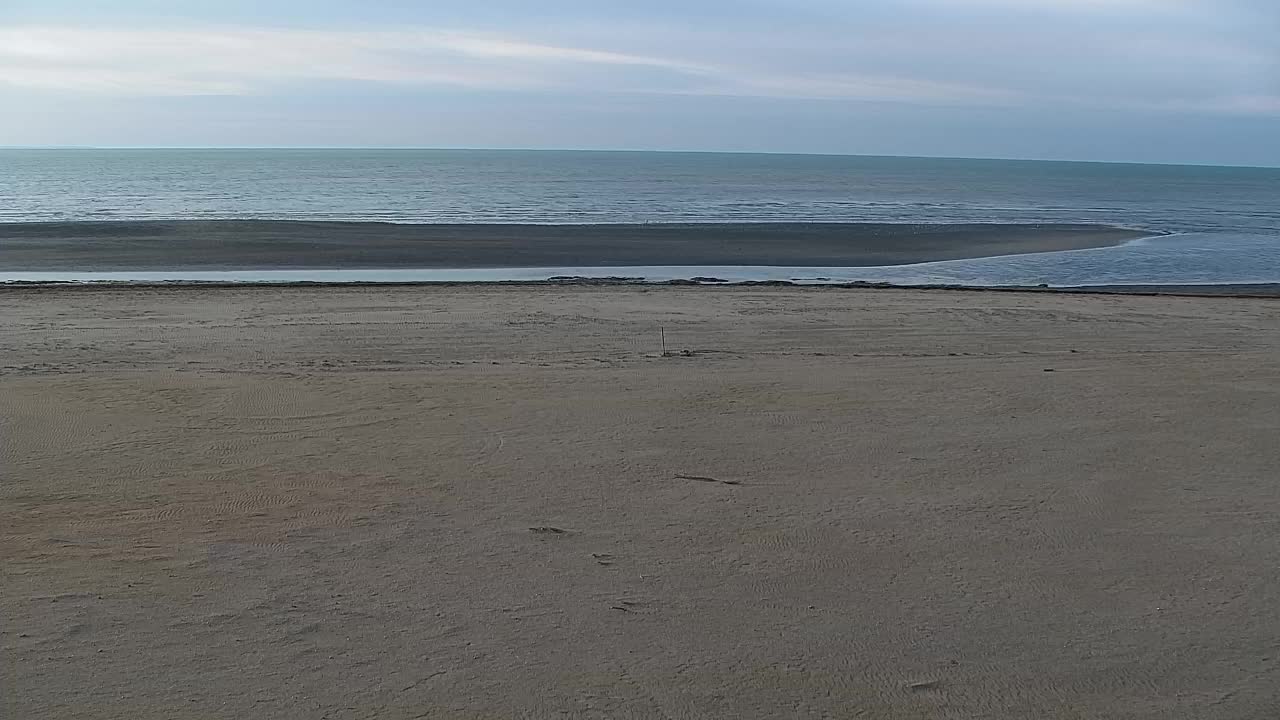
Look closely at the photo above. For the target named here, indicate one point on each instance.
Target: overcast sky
(1144, 80)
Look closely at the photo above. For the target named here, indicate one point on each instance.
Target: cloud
(246, 61)
(252, 61)
(1073, 6)
(1174, 55)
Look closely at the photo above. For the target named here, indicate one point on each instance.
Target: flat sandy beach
(506, 502)
(260, 244)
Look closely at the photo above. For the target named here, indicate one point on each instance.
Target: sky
(1178, 81)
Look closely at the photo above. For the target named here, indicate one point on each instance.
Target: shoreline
(1235, 290)
(234, 245)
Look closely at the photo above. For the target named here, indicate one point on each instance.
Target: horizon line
(636, 151)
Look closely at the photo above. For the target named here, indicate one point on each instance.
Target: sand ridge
(281, 244)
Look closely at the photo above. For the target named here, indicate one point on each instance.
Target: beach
(290, 244)
(509, 501)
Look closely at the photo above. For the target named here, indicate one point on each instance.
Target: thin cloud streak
(252, 61)
(923, 64)
(247, 61)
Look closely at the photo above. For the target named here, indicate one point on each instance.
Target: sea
(1209, 225)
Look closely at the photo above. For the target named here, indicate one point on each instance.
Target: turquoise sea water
(1226, 221)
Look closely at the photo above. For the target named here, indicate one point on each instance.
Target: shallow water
(1188, 259)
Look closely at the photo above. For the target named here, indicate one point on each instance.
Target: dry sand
(503, 502)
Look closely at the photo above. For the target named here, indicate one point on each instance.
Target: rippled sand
(503, 502)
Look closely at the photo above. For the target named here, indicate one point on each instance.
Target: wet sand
(228, 245)
(504, 502)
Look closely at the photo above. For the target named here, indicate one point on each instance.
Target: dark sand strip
(235, 244)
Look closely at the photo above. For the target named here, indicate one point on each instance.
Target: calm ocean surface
(1226, 220)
